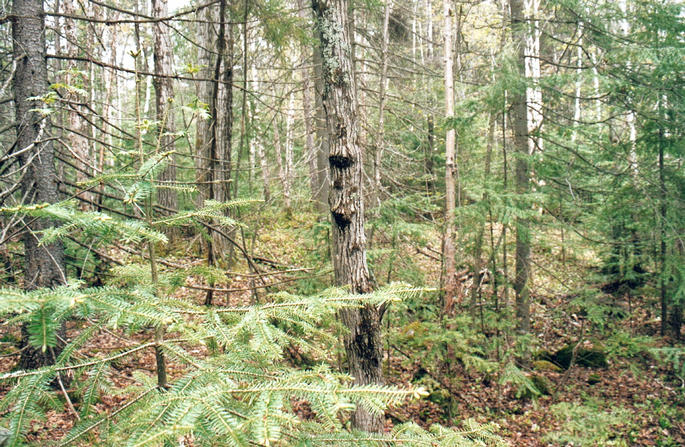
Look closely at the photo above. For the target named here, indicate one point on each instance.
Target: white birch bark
(450, 166)
(289, 146)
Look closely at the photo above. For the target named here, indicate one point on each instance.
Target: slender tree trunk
(282, 174)
(428, 155)
(505, 187)
(77, 81)
(264, 165)
(429, 30)
(243, 114)
(662, 237)
(260, 152)
(322, 149)
(203, 129)
(224, 164)
(164, 96)
(476, 290)
(107, 109)
(631, 116)
(220, 131)
(677, 312)
(450, 168)
(44, 263)
(380, 134)
(310, 148)
(579, 82)
(363, 342)
(289, 144)
(523, 123)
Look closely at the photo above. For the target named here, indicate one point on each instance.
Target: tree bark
(44, 264)
(380, 134)
(322, 186)
(450, 167)
(76, 82)
(526, 119)
(311, 149)
(289, 145)
(339, 98)
(221, 131)
(203, 129)
(278, 148)
(164, 95)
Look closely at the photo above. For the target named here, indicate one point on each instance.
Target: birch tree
(450, 164)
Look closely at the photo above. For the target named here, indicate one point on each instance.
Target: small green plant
(587, 425)
(622, 344)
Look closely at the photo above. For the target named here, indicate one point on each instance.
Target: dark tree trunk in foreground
(363, 342)
(44, 264)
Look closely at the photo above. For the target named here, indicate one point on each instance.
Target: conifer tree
(43, 263)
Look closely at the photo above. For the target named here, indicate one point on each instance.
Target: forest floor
(634, 401)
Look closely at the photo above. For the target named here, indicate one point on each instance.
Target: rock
(587, 357)
(594, 379)
(545, 365)
(541, 383)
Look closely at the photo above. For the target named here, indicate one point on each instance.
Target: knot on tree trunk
(341, 220)
(340, 161)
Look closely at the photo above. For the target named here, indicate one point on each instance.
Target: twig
(64, 391)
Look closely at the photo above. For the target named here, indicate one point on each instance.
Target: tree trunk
(322, 150)
(662, 237)
(289, 144)
(311, 150)
(76, 81)
(164, 94)
(203, 129)
(44, 264)
(363, 342)
(523, 123)
(476, 290)
(450, 168)
(256, 141)
(380, 134)
(278, 147)
(579, 83)
(221, 131)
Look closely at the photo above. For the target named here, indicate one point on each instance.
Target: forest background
(344, 222)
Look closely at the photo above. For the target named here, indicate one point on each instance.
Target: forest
(342, 223)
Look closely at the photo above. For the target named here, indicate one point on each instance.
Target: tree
(526, 119)
(164, 96)
(214, 140)
(339, 97)
(43, 264)
(450, 166)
